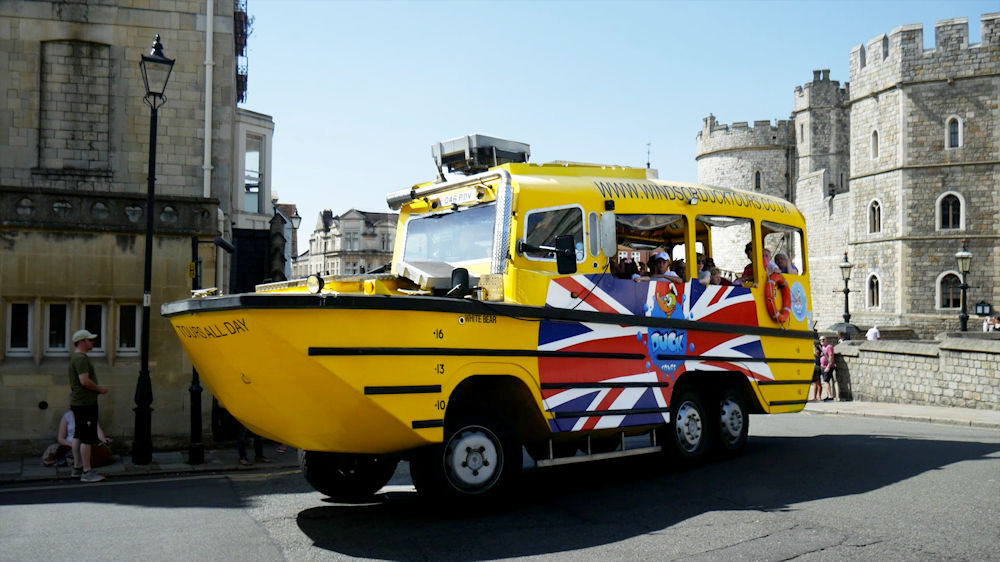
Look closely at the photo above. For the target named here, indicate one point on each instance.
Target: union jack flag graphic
(610, 375)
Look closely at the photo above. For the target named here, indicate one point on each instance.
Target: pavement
(175, 463)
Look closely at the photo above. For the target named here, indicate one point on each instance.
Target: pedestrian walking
(84, 391)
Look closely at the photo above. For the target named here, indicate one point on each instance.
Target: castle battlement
(900, 56)
(715, 136)
(821, 92)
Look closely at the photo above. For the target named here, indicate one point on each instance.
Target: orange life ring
(776, 282)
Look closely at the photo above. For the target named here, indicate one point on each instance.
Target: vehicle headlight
(314, 283)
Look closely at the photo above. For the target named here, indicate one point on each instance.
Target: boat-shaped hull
(374, 373)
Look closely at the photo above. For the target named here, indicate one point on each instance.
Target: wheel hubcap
(731, 421)
(688, 426)
(472, 459)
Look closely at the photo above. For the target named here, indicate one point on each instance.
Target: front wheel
(346, 477)
(479, 457)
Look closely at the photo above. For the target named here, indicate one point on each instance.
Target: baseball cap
(661, 256)
(83, 335)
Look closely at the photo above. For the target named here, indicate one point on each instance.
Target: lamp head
(156, 70)
(964, 258)
(845, 268)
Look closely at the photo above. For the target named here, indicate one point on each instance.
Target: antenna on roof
(647, 153)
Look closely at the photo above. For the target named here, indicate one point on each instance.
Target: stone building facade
(896, 168)
(74, 151)
(352, 243)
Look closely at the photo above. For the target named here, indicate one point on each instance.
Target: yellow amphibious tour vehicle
(511, 319)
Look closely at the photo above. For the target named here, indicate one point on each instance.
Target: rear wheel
(478, 458)
(732, 421)
(687, 437)
(346, 477)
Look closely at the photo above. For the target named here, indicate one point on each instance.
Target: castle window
(874, 217)
(953, 132)
(949, 291)
(874, 295)
(874, 145)
(756, 181)
(950, 211)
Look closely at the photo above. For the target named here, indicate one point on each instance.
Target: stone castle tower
(896, 169)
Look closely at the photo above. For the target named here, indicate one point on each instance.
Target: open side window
(785, 244)
(725, 239)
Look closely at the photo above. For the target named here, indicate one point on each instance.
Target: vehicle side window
(726, 237)
(785, 244)
(542, 226)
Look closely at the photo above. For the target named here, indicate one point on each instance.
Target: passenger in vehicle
(624, 269)
(705, 277)
(784, 265)
(679, 268)
(746, 278)
(659, 270)
(718, 279)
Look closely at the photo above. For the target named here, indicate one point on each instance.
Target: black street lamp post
(964, 258)
(845, 272)
(155, 74)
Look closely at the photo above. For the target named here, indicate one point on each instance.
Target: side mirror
(609, 240)
(459, 283)
(565, 254)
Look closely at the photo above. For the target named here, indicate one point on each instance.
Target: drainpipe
(209, 74)
(206, 165)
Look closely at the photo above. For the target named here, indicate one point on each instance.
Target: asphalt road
(811, 486)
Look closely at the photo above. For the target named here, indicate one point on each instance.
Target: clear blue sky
(359, 90)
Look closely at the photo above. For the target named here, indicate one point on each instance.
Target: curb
(29, 469)
(975, 418)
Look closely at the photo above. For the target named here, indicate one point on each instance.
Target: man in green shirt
(83, 402)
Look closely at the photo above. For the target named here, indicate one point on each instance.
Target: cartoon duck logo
(666, 298)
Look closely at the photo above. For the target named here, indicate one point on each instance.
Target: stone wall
(954, 371)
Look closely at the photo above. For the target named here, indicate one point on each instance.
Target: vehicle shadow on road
(575, 507)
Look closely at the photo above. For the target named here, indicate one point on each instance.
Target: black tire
(732, 421)
(686, 440)
(478, 459)
(346, 477)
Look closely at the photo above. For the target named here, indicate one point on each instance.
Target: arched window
(756, 181)
(874, 296)
(874, 144)
(953, 132)
(874, 217)
(950, 212)
(950, 291)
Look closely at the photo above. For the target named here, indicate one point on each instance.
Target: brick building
(896, 168)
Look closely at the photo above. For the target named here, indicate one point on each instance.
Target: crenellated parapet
(900, 57)
(821, 92)
(718, 137)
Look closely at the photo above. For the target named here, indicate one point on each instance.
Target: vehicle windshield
(457, 238)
